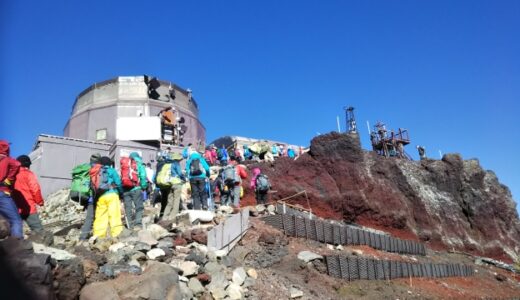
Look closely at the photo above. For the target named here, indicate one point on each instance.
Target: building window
(101, 134)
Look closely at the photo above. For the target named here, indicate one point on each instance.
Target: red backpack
(99, 179)
(129, 176)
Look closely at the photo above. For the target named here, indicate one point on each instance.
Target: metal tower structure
(351, 119)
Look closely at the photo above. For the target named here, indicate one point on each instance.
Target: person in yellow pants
(107, 183)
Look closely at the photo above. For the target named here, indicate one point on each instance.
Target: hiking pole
(210, 198)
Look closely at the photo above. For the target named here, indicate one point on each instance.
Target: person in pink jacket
(260, 184)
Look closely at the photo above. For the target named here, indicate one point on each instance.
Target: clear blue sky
(449, 71)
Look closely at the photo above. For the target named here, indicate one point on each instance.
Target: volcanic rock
(450, 203)
(159, 281)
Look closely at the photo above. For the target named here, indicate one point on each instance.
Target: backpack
(196, 168)
(262, 183)
(166, 178)
(100, 180)
(80, 186)
(219, 154)
(129, 175)
(229, 176)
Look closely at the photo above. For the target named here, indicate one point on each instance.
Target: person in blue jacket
(197, 171)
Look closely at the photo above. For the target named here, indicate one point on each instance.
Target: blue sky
(449, 71)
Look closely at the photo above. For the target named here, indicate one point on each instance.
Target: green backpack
(80, 186)
(165, 178)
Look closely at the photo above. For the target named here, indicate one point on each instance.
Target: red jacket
(8, 169)
(27, 193)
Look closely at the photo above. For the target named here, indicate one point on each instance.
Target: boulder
(146, 237)
(99, 291)
(195, 286)
(218, 282)
(252, 273)
(196, 257)
(218, 293)
(308, 256)
(26, 275)
(250, 281)
(116, 247)
(213, 268)
(239, 275)
(295, 293)
(159, 281)
(158, 232)
(188, 268)
(165, 243)
(201, 215)
(57, 254)
(234, 291)
(89, 267)
(260, 208)
(185, 291)
(71, 277)
(43, 237)
(143, 247)
(155, 253)
(204, 278)
(111, 271)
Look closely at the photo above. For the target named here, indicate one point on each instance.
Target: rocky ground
(166, 261)
(452, 206)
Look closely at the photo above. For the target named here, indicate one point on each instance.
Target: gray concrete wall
(54, 157)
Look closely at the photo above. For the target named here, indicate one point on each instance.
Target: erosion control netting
(354, 268)
(326, 232)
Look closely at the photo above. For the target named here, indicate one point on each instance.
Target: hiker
(208, 156)
(231, 183)
(80, 191)
(214, 156)
(133, 180)
(170, 179)
(239, 154)
(247, 153)
(150, 174)
(223, 156)
(290, 152)
(106, 186)
(198, 172)
(422, 152)
(167, 116)
(283, 151)
(9, 167)
(275, 151)
(187, 151)
(27, 194)
(260, 184)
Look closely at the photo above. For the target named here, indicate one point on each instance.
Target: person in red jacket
(9, 167)
(27, 194)
(242, 174)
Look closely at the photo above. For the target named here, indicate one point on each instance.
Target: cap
(4, 147)
(94, 158)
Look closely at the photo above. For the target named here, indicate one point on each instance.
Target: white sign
(138, 129)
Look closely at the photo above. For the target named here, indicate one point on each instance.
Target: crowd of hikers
(100, 188)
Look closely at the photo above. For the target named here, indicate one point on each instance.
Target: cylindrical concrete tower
(97, 108)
